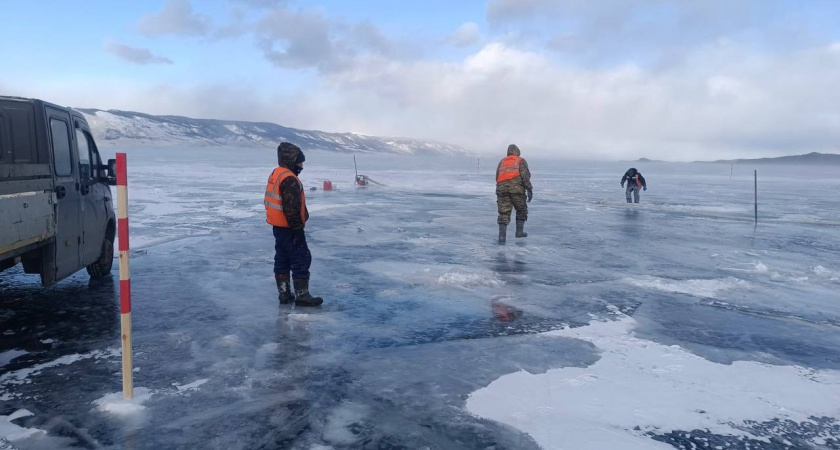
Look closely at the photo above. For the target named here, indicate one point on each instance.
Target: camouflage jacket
(290, 190)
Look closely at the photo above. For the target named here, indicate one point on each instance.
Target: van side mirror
(111, 179)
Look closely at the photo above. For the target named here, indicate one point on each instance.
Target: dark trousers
(291, 253)
(632, 189)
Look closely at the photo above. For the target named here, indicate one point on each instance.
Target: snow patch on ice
(235, 212)
(752, 267)
(303, 317)
(822, 271)
(323, 207)
(337, 428)
(705, 209)
(707, 288)
(657, 388)
(9, 355)
(118, 405)
(826, 273)
(19, 414)
(12, 432)
(190, 387)
(231, 341)
(463, 278)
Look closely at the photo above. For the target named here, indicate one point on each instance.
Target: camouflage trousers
(632, 193)
(509, 198)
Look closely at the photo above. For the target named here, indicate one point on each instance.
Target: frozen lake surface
(671, 324)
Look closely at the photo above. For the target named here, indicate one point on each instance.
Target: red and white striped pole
(125, 278)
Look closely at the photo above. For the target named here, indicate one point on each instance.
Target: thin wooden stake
(755, 174)
(125, 276)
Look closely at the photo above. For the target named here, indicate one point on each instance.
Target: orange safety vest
(274, 200)
(508, 168)
(637, 180)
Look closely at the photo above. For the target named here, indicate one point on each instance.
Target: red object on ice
(504, 313)
(328, 185)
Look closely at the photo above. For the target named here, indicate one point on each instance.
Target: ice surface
(21, 376)
(670, 307)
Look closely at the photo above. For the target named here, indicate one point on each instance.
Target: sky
(614, 79)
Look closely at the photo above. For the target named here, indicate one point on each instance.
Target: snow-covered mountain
(125, 128)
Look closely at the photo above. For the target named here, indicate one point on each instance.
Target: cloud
(368, 37)
(707, 94)
(721, 101)
(505, 10)
(307, 39)
(656, 32)
(466, 35)
(238, 25)
(563, 43)
(176, 18)
(135, 55)
(262, 3)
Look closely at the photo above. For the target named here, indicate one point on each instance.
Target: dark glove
(644, 188)
(622, 184)
(530, 195)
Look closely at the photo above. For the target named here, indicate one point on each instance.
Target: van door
(94, 218)
(68, 237)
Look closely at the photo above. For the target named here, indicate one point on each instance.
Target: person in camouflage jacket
(513, 191)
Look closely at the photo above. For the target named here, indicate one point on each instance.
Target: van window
(84, 155)
(61, 147)
(95, 159)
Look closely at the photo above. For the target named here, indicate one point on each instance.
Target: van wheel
(102, 266)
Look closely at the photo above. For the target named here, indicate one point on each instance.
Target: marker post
(755, 185)
(125, 277)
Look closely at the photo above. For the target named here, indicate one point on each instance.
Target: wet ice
(423, 311)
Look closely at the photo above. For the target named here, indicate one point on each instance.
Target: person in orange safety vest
(285, 209)
(513, 187)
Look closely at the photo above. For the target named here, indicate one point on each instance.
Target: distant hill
(126, 128)
(806, 159)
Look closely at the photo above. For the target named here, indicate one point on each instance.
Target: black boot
(304, 298)
(284, 287)
(520, 224)
(502, 233)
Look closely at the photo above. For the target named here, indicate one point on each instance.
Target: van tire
(102, 267)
